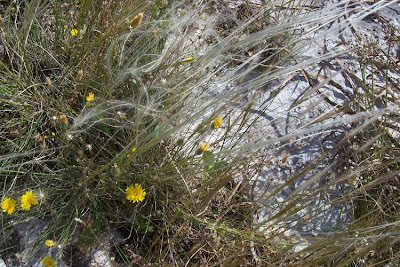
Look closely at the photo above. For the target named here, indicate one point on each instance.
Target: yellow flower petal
(217, 122)
(28, 199)
(8, 205)
(135, 193)
(49, 243)
(49, 262)
(204, 146)
(74, 32)
(90, 97)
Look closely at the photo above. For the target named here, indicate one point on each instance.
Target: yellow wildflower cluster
(27, 200)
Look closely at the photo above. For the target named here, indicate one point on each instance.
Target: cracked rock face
(371, 29)
(286, 106)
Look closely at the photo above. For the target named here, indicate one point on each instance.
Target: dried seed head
(285, 158)
(115, 170)
(63, 120)
(48, 81)
(79, 75)
(136, 21)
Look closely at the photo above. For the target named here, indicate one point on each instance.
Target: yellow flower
(133, 149)
(204, 146)
(135, 193)
(217, 122)
(28, 199)
(74, 32)
(8, 205)
(49, 262)
(189, 58)
(49, 243)
(90, 97)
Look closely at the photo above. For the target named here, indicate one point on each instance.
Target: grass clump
(128, 126)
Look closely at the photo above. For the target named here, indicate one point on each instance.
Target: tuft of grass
(96, 96)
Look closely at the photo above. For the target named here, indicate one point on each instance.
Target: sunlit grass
(131, 124)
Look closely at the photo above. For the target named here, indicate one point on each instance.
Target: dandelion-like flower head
(28, 199)
(135, 193)
(49, 262)
(8, 205)
(49, 243)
